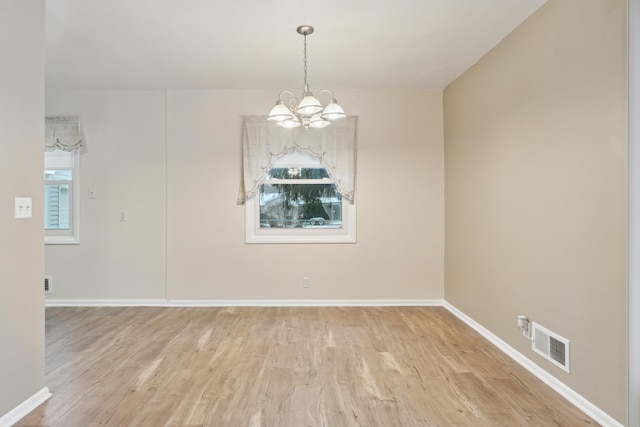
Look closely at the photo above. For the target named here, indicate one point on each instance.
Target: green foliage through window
(299, 198)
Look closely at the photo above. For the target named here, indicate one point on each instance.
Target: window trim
(54, 237)
(256, 234)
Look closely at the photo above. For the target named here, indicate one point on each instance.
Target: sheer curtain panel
(62, 133)
(263, 142)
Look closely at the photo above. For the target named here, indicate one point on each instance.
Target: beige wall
(21, 253)
(172, 161)
(124, 161)
(535, 172)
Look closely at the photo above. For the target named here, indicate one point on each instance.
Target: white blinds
(59, 159)
(263, 142)
(62, 133)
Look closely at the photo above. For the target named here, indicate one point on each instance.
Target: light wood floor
(284, 367)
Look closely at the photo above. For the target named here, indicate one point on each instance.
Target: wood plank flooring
(281, 367)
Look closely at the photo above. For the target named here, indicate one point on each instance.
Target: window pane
(300, 206)
(61, 187)
(56, 206)
(58, 175)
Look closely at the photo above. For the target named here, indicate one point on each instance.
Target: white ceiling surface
(252, 44)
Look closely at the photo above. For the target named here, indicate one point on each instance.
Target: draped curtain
(263, 142)
(62, 133)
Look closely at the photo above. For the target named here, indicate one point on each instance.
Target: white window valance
(263, 142)
(62, 133)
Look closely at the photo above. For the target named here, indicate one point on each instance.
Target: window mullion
(297, 181)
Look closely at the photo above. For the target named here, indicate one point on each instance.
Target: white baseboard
(49, 302)
(242, 303)
(577, 400)
(19, 412)
(308, 303)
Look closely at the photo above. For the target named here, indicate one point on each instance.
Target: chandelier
(307, 111)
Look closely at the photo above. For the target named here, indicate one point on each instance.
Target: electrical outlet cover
(23, 207)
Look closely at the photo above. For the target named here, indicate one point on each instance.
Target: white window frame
(72, 235)
(255, 234)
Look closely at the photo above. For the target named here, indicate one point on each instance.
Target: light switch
(22, 207)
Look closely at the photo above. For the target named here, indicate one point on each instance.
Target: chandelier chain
(305, 87)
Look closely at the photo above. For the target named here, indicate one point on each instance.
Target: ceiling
(253, 44)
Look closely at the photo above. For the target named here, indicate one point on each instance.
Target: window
(61, 210)
(298, 203)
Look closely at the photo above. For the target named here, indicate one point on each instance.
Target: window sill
(61, 240)
(285, 236)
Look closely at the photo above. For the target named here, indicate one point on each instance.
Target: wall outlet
(22, 207)
(306, 282)
(523, 325)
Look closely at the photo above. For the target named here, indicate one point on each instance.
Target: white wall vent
(551, 346)
(47, 284)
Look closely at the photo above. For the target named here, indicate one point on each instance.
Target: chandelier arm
(293, 100)
(285, 92)
(333, 98)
